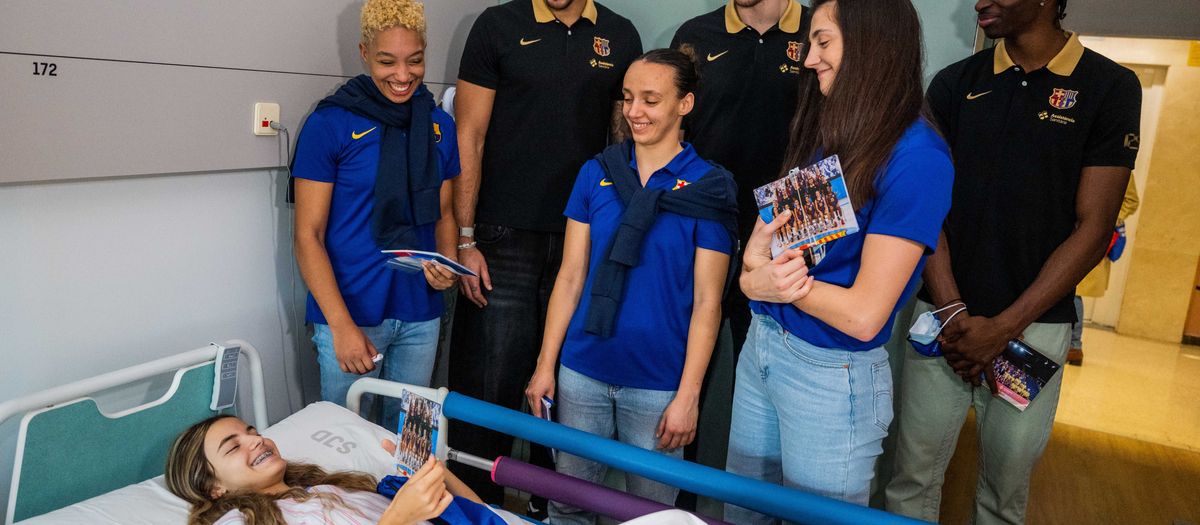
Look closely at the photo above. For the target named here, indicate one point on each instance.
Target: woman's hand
(439, 277)
(423, 496)
(677, 427)
(353, 349)
(783, 280)
(541, 384)
(758, 246)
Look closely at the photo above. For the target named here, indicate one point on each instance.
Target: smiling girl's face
(241, 459)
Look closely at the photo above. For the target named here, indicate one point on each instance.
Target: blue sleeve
(579, 204)
(446, 136)
(914, 195)
(317, 150)
(710, 235)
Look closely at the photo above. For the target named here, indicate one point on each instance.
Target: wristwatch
(467, 231)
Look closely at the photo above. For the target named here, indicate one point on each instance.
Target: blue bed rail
(768, 498)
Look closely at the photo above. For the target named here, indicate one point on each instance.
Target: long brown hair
(190, 476)
(875, 97)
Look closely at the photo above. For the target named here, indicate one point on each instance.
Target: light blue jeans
(629, 414)
(1077, 326)
(807, 417)
(409, 350)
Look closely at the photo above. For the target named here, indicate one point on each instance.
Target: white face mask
(927, 327)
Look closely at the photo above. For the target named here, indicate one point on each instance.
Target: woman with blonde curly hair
(232, 475)
(372, 171)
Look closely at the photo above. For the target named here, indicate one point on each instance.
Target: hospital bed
(75, 464)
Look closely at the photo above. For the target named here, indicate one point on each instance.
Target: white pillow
(333, 438)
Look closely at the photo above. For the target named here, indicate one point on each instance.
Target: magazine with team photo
(418, 431)
(820, 205)
(1021, 372)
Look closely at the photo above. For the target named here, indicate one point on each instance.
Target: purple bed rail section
(576, 492)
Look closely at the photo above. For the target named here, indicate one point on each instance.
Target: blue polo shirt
(911, 201)
(649, 341)
(342, 148)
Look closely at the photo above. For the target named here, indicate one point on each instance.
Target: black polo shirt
(747, 95)
(555, 86)
(1020, 141)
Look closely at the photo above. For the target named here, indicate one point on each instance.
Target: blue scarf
(408, 183)
(712, 197)
(461, 511)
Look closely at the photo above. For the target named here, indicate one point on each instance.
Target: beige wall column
(1163, 262)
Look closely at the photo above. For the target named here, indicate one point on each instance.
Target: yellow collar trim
(788, 23)
(1063, 64)
(543, 14)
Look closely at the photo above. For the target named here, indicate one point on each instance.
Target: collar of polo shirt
(1063, 64)
(543, 13)
(788, 23)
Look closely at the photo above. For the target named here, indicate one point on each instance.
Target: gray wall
(140, 83)
(103, 273)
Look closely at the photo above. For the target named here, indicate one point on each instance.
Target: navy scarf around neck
(408, 183)
(712, 197)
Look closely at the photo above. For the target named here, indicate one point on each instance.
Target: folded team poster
(820, 205)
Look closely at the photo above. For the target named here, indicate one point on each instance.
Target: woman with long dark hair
(813, 396)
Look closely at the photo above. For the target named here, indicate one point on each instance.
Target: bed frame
(104, 458)
(767, 498)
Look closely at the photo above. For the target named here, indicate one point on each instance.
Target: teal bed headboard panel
(71, 452)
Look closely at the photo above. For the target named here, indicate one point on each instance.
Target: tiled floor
(1135, 388)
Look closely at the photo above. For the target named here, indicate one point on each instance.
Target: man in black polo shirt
(539, 87)
(1044, 134)
(750, 55)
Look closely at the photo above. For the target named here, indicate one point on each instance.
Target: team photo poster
(820, 205)
(418, 432)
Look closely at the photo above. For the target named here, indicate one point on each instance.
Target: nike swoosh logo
(712, 57)
(357, 136)
(527, 42)
(973, 96)
(605, 182)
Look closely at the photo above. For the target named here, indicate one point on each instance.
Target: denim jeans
(807, 417)
(408, 349)
(630, 415)
(494, 349)
(934, 403)
(1077, 326)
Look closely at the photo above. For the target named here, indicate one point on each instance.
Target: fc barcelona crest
(600, 46)
(1063, 98)
(793, 51)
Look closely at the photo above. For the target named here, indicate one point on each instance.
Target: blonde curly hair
(381, 15)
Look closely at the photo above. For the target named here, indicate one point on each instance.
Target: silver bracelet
(466, 245)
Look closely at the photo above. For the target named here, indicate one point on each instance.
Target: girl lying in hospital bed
(232, 475)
